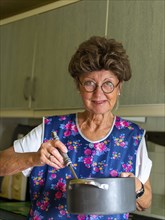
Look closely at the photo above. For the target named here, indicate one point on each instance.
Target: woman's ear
(120, 88)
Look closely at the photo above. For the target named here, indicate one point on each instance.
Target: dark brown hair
(100, 53)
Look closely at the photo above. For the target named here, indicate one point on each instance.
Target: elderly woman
(99, 143)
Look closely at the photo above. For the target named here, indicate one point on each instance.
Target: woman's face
(98, 101)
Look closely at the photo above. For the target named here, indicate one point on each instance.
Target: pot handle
(90, 182)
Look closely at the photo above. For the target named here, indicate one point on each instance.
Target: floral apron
(108, 157)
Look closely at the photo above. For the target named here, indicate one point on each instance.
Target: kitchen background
(35, 50)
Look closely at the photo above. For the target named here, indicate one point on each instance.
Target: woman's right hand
(49, 153)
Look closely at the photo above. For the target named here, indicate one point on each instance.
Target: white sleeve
(143, 163)
(30, 143)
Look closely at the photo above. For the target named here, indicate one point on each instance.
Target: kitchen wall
(157, 155)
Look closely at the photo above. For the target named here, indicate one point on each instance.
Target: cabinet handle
(33, 92)
(27, 88)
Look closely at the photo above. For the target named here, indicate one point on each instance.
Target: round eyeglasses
(91, 86)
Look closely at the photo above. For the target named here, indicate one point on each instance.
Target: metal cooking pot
(101, 196)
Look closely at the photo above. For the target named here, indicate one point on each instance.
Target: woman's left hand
(144, 201)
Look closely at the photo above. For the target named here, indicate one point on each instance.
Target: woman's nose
(98, 90)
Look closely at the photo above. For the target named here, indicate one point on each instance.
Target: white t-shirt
(33, 140)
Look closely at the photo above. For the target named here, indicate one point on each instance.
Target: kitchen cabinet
(17, 41)
(36, 52)
(140, 25)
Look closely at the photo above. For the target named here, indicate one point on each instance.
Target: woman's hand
(137, 181)
(49, 153)
(144, 201)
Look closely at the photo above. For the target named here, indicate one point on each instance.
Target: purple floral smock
(108, 157)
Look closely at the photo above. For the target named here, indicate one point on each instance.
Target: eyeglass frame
(96, 85)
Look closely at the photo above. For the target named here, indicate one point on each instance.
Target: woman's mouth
(98, 102)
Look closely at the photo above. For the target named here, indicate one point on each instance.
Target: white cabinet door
(17, 41)
(59, 34)
(140, 25)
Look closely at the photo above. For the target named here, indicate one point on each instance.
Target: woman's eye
(108, 83)
(89, 83)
